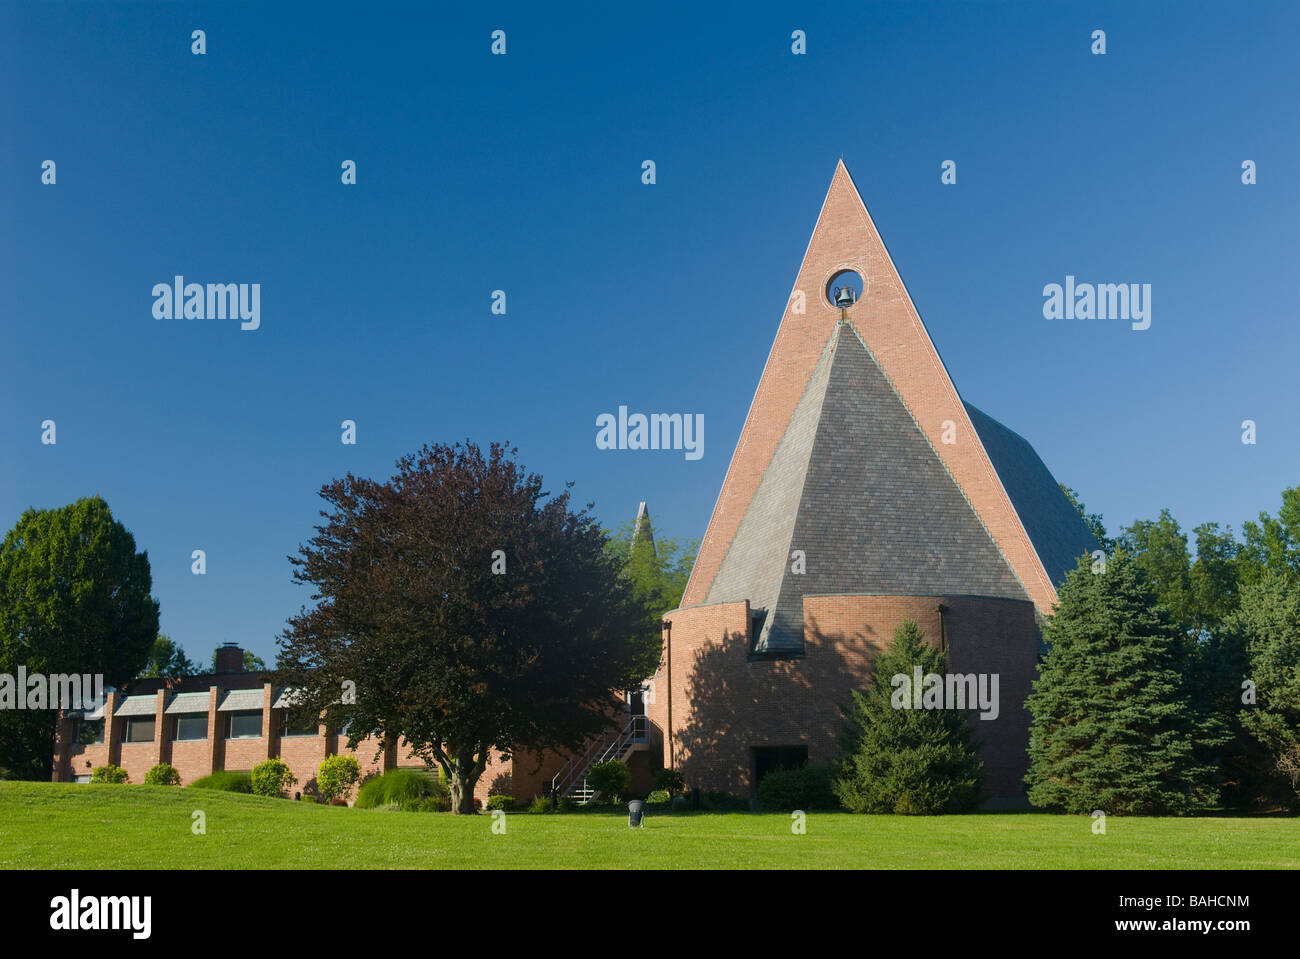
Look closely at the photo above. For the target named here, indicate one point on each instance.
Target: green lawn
(65, 826)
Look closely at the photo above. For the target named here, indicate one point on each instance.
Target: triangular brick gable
(845, 238)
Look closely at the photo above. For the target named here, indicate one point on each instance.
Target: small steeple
(641, 528)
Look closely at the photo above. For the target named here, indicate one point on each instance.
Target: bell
(844, 297)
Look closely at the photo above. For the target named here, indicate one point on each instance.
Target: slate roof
(856, 485)
(188, 703)
(284, 698)
(240, 699)
(1055, 527)
(137, 706)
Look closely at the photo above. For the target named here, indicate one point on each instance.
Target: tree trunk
(463, 778)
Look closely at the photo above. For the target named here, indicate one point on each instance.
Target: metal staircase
(571, 780)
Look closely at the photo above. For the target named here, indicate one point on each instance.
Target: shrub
(723, 802)
(681, 804)
(506, 803)
(609, 779)
(540, 804)
(336, 777)
(809, 787)
(164, 774)
(659, 797)
(109, 774)
(566, 804)
(427, 804)
(272, 777)
(398, 786)
(669, 781)
(225, 781)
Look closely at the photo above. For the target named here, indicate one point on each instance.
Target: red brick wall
(525, 776)
(303, 755)
(724, 705)
(192, 759)
(846, 238)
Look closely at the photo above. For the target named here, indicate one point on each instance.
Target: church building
(863, 491)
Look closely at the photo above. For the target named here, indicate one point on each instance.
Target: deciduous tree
(468, 608)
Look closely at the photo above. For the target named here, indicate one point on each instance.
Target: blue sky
(523, 173)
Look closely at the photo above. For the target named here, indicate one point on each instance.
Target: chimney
(230, 658)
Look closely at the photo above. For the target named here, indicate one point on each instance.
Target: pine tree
(1269, 624)
(908, 761)
(1116, 725)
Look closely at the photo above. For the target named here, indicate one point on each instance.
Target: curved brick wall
(724, 704)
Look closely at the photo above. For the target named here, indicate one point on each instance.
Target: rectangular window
(89, 732)
(138, 730)
(191, 726)
(291, 725)
(81, 779)
(246, 725)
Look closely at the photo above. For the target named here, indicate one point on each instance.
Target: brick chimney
(230, 658)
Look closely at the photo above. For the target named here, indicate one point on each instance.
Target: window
(81, 779)
(191, 726)
(244, 725)
(291, 725)
(89, 732)
(138, 730)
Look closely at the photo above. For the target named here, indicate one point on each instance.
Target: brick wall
(524, 776)
(724, 704)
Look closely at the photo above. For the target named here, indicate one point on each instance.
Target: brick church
(863, 491)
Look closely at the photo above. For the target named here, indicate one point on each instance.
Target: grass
(60, 826)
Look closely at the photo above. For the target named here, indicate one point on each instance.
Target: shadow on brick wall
(739, 704)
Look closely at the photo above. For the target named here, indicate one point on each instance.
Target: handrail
(636, 730)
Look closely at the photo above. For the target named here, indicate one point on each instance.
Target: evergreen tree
(1116, 725)
(904, 760)
(1268, 627)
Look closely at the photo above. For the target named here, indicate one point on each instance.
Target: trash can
(636, 813)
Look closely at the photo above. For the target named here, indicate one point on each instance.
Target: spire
(641, 530)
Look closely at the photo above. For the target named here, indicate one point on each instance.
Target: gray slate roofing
(188, 703)
(1055, 527)
(241, 699)
(138, 706)
(284, 698)
(856, 485)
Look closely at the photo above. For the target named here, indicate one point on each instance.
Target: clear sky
(523, 173)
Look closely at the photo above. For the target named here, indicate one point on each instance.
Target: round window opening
(844, 289)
